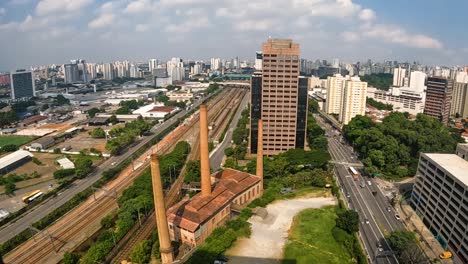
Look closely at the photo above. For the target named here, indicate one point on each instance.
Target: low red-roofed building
(192, 220)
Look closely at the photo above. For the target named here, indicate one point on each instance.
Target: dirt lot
(60, 127)
(83, 140)
(46, 170)
(269, 235)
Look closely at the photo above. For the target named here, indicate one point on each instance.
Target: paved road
(216, 157)
(375, 212)
(10, 230)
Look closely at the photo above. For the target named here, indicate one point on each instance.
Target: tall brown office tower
(279, 98)
(438, 98)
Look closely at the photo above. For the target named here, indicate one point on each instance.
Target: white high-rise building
(215, 64)
(418, 81)
(354, 99)
(399, 75)
(175, 69)
(196, 69)
(335, 89)
(152, 64)
(134, 71)
(336, 63)
(258, 60)
(108, 71)
(91, 70)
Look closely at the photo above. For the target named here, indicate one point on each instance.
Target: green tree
(70, 258)
(93, 111)
(141, 253)
(61, 100)
(44, 107)
(400, 240)
(348, 220)
(10, 188)
(229, 152)
(97, 133)
(113, 119)
(192, 171)
(83, 166)
(9, 148)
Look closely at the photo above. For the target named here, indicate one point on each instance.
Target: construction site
(82, 223)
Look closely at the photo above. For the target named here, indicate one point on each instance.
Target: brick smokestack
(204, 155)
(161, 219)
(260, 154)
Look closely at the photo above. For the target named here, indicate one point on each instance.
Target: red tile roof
(33, 119)
(190, 214)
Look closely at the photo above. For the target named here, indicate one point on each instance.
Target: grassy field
(17, 140)
(311, 240)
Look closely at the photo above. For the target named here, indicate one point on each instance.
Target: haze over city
(233, 132)
(53, 31)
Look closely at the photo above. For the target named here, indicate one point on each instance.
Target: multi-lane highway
(377, 217)
(10, 230)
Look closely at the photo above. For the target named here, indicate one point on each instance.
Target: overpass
(331, 120)
(236, 84)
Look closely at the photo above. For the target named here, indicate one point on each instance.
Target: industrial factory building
(192, 220)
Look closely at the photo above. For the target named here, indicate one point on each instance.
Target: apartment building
(440, 199)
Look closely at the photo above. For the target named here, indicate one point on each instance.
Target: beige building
(401, 100)
(460, 95)
(335, 90)
(354, 100)
(279, 98)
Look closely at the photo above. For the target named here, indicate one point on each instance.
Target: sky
(39, 32)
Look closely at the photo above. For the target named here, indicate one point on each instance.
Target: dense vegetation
(379, 105)
(405, 246)
(165, 100)
(7, 118)
(93, 111)
(381, 81)
(240, 139)
(315, 134)
(127, 107)
(392, 147)
(122, 137)
(137, 199)
(97, 133)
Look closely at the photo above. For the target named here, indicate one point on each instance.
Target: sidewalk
(428, 243)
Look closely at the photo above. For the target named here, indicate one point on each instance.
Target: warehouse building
(14, 160)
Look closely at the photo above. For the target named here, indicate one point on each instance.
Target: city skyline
(52, 31)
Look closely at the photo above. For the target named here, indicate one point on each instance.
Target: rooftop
(453, 164)
(14, 157)
(166, 109)
(190, 214)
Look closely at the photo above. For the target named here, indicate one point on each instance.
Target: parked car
(397, 217)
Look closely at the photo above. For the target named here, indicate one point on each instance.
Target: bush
(59, 174)
(15, 241)
(9, 148)
(36, 161)
(70, 258)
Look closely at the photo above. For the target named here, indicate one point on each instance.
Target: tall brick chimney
(165, 247)
(204, 154)
(260, 154)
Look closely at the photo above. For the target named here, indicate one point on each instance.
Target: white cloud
(393, 34)
(138, 6)
(367, 15)
(46, 7)
(142, 27)
(188, 25)
(103, 20)
(2, 11)
(19, 2)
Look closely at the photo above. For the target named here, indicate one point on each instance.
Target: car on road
(113, 163)
(397, 217)
(366, 221)
(362, 185)
(379, 247)
(389, 209)
(348, 195)
(369, 183)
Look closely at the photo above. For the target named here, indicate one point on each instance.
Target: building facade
(335, 89)
(22, 84)
(354, 100)
(71, 73)
(440, 199)
(438, 98)
(283, 98)
(402, 101)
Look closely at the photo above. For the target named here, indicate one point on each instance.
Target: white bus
(354, 173)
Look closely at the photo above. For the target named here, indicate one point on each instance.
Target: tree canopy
(393, 146)
(379, 105)
(381, 81)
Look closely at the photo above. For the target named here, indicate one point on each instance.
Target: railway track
(36, 250)
(172, 196)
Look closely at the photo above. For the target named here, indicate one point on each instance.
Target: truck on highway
(354, 173)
